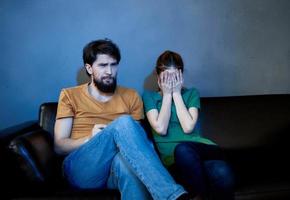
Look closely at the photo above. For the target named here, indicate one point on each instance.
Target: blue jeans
(121, 157)
(201, 169)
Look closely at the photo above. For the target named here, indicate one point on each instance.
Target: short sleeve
(194, 100)
(148, 101)
(137, 107)
(64, 108)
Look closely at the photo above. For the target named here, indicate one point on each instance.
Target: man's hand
(97, 129)
(177, 82)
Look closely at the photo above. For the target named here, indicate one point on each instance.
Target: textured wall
(229, 47)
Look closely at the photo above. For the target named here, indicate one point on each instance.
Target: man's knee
(123, 122)
(125, 119)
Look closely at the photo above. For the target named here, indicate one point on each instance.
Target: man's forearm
(67, 145)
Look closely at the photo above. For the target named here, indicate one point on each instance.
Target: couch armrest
(35, 157)
(6, 135)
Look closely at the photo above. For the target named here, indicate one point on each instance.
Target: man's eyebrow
(103, 64)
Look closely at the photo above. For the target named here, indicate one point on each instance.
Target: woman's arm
(159, 120)
(187, 117)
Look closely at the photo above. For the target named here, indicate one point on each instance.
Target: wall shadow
(82, 76)
(150, 82)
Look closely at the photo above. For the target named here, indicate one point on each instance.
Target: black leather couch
(254, 132)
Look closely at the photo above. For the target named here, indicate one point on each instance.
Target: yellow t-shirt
(76, 102)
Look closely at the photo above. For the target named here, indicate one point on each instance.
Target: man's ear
(89, 68)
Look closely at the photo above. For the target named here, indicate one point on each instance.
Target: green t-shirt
(167, 143)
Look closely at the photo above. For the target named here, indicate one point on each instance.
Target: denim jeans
(121, 156)
(202, 170)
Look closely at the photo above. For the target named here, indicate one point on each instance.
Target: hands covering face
(170, 82)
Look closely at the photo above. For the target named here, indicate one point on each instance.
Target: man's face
(104, 73)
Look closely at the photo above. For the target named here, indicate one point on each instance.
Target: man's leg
(89, 166)
(123, 178)
(134, 146)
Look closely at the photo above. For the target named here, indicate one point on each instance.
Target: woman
(196, 162)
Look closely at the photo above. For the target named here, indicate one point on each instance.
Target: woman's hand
(165, 82)
(177, 82)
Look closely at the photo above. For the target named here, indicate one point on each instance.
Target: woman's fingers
(174, 79)
(180, 76)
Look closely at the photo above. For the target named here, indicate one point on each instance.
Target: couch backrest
(232, 122)
(246, 121)
(47, 114)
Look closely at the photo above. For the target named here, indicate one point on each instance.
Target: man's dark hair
(168, 59)
(106, 46)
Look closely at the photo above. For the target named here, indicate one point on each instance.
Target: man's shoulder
(124, 91)
(75, 89)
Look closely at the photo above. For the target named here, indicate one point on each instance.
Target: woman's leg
(203, 169)
(189, 170)
(220, 179)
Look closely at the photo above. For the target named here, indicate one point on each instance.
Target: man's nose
(109, 69)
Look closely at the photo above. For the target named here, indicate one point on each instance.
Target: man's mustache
(108, 77)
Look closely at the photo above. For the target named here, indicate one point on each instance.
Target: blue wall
(229, 47)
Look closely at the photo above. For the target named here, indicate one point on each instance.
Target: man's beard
(104, 87)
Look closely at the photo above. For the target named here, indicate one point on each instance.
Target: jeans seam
(136, 171)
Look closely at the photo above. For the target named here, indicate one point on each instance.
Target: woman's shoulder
(190, 91)
(150, 94)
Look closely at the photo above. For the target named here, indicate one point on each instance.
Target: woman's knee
(184, 151)
(220, 174)
(181, 149)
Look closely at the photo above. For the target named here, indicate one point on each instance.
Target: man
(105, 146)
